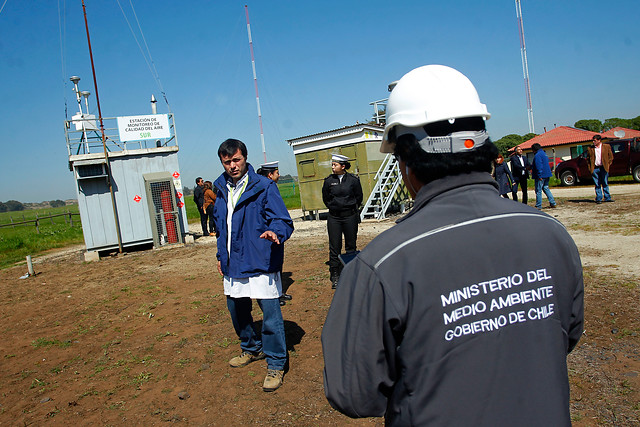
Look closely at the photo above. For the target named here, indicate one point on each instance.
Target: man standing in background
(198, 197)
(541, 172)
(600, 159)
(520, 171)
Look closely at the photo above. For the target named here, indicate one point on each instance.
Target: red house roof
(562, 135)
(628, 133)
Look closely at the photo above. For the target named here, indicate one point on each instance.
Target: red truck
(626, 160)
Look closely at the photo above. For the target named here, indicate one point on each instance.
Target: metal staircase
(388, 179)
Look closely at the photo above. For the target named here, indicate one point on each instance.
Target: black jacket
(198, 196)
(438, 321)
(342, 196)
(517, 169)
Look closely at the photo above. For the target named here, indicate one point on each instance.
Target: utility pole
(525, 66)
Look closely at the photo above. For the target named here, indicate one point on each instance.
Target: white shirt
(263, 286)
(598, 161)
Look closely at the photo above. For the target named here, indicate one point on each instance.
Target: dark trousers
(522, 182)
(212, 228)
(336, 227)
(203, 221)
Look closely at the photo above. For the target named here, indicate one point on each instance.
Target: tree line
(14, 205)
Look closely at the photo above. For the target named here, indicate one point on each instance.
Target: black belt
(343, 213)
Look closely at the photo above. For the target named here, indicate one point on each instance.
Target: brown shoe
(245, 358)
(273, 380)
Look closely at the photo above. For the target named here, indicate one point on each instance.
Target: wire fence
(68, 219)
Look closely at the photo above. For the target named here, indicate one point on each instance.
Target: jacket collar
(429, 191)
(254, 179)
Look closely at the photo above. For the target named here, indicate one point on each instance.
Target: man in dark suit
(520, 170)
(198, 197)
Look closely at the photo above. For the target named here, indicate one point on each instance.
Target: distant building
(359, 142)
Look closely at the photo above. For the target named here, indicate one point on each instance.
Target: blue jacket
(260, 208)
(540, 167)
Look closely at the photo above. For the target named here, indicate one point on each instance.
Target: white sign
(135, 128)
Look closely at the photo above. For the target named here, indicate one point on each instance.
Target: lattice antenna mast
(525, 66)
(255, 82)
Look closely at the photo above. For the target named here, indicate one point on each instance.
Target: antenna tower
(255, 82)
(525, 66)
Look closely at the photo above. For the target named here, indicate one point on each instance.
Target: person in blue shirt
(541, 172)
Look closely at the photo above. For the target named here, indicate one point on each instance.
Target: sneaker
(273, 380)
(552, 206)
(286, 296)
(598, 202)
(609, 201)
(282, 301)
(245, 358)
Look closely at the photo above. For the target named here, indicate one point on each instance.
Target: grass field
(22, 240)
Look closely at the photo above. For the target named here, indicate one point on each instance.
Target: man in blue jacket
(541, 172)
(252, 223)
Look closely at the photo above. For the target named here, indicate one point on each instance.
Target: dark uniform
(198, 197)
(430, 326)
(343, 198)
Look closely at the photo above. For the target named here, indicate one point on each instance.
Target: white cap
(339, 158)
(270, 165)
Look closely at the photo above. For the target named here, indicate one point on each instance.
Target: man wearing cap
(342, 195)
(429, 325)
(252, 224)
(600, 159)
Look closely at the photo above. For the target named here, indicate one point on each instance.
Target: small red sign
(176, 175)
(180, 204)
(137, 199)
(179, 195)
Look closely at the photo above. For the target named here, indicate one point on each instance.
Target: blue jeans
(543, 185)
(273, 342)
(601, 180)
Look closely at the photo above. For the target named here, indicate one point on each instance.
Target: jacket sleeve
(277, 216)
(358, 344)
(326, 196)
(358, 191)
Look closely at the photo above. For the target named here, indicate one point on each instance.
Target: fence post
(65, 217)
(51, 216)
(12, 226)
(37, 224)
(71, 219)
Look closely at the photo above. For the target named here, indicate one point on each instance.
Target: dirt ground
(144, 338)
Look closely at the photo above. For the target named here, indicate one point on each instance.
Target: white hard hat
(429, 94)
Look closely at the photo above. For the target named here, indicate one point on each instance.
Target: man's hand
(270, 236)
(219, 268)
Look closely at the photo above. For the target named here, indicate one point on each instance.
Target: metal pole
(104, 140)
(30, 266)
(525, 66)
(255, 82)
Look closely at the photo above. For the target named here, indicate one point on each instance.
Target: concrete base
(188, 239)
(91, 256)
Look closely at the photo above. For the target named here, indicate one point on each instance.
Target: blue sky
(319, 65)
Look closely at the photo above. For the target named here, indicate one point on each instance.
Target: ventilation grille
(165, 212)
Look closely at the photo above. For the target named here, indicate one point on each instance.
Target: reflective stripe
(453, 226)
